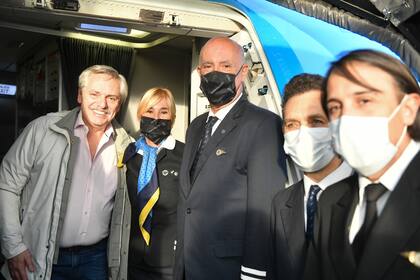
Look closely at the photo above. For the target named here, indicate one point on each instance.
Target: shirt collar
(221, 114)
(340, 173)
(391, 177)
(169, 144)
(80, 124)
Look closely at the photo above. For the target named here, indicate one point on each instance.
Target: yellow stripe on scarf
(145, 212)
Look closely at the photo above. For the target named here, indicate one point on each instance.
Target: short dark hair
(300, 84)
(404, 79)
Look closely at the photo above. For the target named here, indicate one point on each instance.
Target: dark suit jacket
(287, 234)
(224, 211)
(159, 256)
(396, 230)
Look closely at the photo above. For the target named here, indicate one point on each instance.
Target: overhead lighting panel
(102, 28)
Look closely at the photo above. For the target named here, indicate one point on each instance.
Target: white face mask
(310, 148)
(364, 141)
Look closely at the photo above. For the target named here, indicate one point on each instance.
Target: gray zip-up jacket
(35, 177)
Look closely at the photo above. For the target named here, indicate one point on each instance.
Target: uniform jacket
(397, 230)
(224, 211)
(159, 255)
(287, 234)
(35, 177)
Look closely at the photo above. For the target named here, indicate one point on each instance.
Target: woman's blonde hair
(152, 97)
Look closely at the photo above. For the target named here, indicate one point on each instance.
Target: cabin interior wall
(7, 114)
(159, 67)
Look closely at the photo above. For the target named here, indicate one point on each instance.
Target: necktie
(204, 140)
(311, 206)
(372, 194)
(147, 188)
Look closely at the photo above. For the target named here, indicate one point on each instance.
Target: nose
(102, 102)
(155, 115)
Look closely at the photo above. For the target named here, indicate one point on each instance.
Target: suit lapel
(339, 246)
(195, 142)
(397, 223)
(189, 153)
(226, 126)
(293, 221)
(161, 155)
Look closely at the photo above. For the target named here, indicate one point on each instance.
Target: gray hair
(104, 69)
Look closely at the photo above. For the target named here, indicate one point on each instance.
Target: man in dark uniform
(308, 141)
(233, 164)
(369, 225)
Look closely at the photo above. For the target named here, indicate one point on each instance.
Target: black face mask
(155, 129)
(219, 87)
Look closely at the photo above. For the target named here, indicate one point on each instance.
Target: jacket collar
(167, 145)
(66, 126)
(294, 221)
(339, 246)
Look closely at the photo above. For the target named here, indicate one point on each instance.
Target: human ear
(244, 70)
(79, 96)
(410, 108)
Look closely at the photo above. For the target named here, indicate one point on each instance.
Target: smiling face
(99, 100)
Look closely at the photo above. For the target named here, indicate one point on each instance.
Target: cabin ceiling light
(102, 28)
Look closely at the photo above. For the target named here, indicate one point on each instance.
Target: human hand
(20, 264)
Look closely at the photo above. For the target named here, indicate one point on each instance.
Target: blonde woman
(153, 163)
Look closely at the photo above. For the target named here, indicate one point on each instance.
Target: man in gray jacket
(62, 187)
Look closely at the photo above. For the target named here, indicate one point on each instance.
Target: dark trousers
(82, 262)
(139, 274)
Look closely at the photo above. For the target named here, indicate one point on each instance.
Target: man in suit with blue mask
(308, 141)
(369, 223)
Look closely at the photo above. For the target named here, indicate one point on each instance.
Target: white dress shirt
(92, 190)
(340, 173)
(389, 179)
(221, 114)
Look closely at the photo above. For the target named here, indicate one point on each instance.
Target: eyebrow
(220, 62)
(320, 116)
(333, 100)
(290, 120)
(153, 107)
(369, 91)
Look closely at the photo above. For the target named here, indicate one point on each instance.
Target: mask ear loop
(236, 75)
(239, 71)
(405, 126)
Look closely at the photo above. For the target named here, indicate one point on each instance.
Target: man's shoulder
(55, 116)
(255, 111)
(336, 191)
(284, 195)
(201, 119)
(48, 119)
